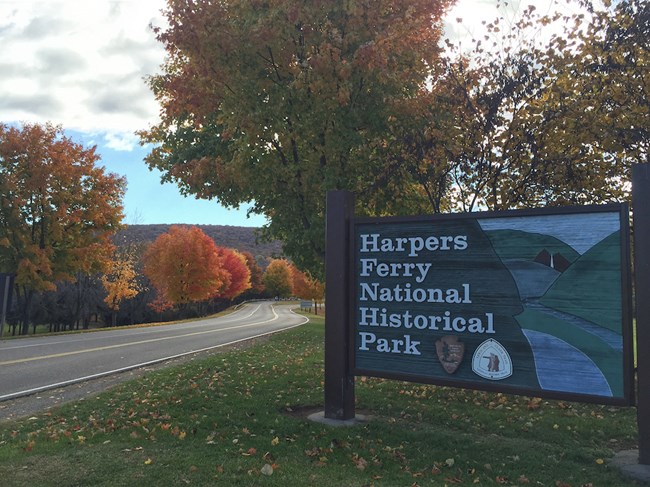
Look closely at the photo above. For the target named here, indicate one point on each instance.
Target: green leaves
(279, 102)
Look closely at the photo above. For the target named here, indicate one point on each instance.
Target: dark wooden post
(641, 212)
(339, 381)
(5, 298)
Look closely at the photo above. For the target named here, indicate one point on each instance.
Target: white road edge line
(28, 392)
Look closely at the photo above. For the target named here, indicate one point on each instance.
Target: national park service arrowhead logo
(492, 361)
(450, 352)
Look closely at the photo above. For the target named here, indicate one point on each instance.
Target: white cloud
(81, 64)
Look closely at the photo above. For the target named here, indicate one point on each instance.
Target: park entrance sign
(535, 302)
(527, 302)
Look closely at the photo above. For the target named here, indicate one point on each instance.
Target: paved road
(31, 365)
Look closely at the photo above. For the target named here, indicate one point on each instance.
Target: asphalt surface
(40, 372)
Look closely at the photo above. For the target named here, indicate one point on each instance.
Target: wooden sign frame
(341, 362)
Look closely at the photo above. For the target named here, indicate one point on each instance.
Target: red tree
(239, 276)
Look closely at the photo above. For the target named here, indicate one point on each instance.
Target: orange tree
(277, 102)
(58, 209)
(184, 265)
(306, 287)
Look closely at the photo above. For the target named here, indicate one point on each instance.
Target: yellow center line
(108, 347)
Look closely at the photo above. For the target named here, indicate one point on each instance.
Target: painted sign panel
(526, 302)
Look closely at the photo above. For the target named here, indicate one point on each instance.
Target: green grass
(236, 417)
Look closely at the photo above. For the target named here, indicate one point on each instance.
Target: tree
(58, 209)
(306, 287)
(277, 278)
(184, 265)
(603, 87)
(120, 280)
(239, 275)
(530, 122)
(256, 274)
(278, 102)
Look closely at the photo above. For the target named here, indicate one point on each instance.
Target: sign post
(641, 211)
(339, 380)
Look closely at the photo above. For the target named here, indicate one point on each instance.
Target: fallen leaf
(450, 462)
(453, 480)
(360, 462)
(275, 441)
(148, 461)
(267, 469)
(600, 461)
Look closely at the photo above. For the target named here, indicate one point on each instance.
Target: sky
(82, 64)
(594, 227)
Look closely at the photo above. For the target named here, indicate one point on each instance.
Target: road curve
(35, 364)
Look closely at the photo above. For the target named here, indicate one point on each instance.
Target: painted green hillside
(516, 244)
(591, 287)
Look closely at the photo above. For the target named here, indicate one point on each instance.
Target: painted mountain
(534, 260)
(591, 287)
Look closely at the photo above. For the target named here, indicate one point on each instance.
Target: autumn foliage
(120, 280)
(239, 275)
(185, 265)
(305, 286)
(277, 102)
(256, 274)
(58, 209)
(278, 278)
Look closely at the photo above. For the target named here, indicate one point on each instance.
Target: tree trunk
(28, 296)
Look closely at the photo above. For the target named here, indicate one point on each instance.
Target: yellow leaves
(148, 461)
(600, 461)
(120, 279)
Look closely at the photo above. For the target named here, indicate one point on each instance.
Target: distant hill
(529, 256)
(591, 287)
(239, 238)
(517, 244)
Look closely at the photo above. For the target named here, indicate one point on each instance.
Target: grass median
(238, 418)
